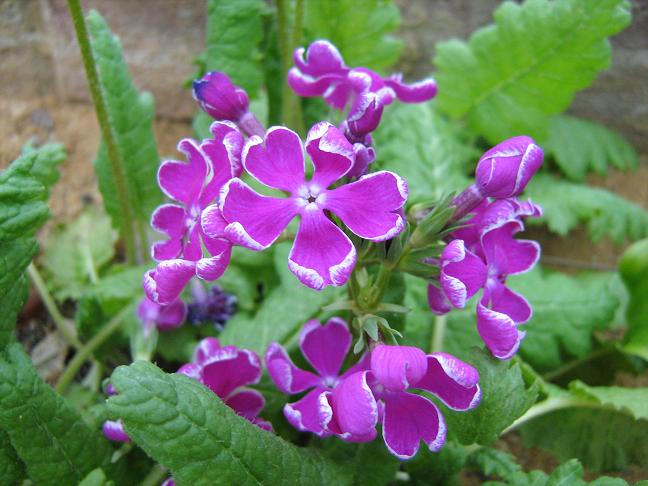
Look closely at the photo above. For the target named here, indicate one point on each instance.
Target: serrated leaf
(438, 469)
(187, 428)
(493, 462)
(74, 255)
(234, 31)
(505, 397)
(567, 204)
(12, 469)
(566, 311)
(50, 436)
(131, 118)
(632, 401)
(581, 146)
(361, 30)
(416, 142)
(633, 268)
(512, 74)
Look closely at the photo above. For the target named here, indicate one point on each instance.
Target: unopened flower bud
(365, 114)
(219, 98)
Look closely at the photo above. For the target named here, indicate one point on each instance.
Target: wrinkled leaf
(493, 462)
(12, 469)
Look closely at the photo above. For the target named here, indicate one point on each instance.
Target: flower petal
(277, 161)
(191, 370)
(456, 383)
(418, 92)
(170, 220)
(285, 375)
(437, 300)
(205, 349)
(221, 99)
(180, 181)
(246, 403)
(224, 155)
(397, 367)
(498, 331)
(350, 409)
(369, 207)
(165, 282)
(303, 414)
(331, 153)
(325, 347)
(322, 57)
(500, 298)
(213, 267)
(321, 254)
(171, 316)
(212, 222)
(229, 368)
(254, 221)
(463, 273)
(508, 255)
(408, 420)
(114, 430)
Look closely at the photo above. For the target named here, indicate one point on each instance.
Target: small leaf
(633, 268)
(581, 146)
(512, 74)
(96, 477)
(438, 469)
(360, 29)
(493, 462)
(50, 436)
(187, 428)
(566, 205)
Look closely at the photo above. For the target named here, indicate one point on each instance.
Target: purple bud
(506, 169)
(110, 390)
(364, 115)
(364, 155)
(164, 317)
(214, 306)
(114, 430)
(219, 98)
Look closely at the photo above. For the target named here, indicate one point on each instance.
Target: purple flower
(406, 418)
(219, 98)
(164, 317)
(194, 185)
(321, 71)
(325, 348)
(225, 370)
(322, 254)
(114, 430)
(215, 306)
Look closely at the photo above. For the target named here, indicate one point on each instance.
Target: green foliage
(633, 401)
(438, 469)
(188, 429)
(234, 31)
(505, 397)
(493, 462)
(633, 268)
(74, 255)
(566, 310)
(52, 439)
(361, 30)
(96, 477)
(580, 146)
(567, 204)
(568, 474)
(424, 148)
(512, 74)
(12, 469)
(131, 119)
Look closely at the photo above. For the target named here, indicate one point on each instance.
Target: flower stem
(86, 351)
(548, 406)
(64, 326)
(552, 375)
(127, 227)
(291, 105)
(155, 476)
(440, 323)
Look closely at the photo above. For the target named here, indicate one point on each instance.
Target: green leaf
(493, 462)
(633, 268)
(74, 255)
(505, 397)
(234, 31)
(566, 310)
(187, 428)
(50, 436)
(360, 29)
(282, 313)
(632, 401)
(131, 118)
(566, 205)
(581, 146)
(438, 469)
(96, 477)
(511, 75)
(12, 469)
(424, 148)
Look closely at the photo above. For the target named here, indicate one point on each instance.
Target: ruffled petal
(114, 430)
(506, 254)
(455, 383)
(193, 248)
(321, 58)
(213, 267)
(303, 414)
(165, 282)
(338, 93)
(397, 367)
(183, 181)
(205, 349)
(262, 424)
(254, 221)
(498, 331)
(191, 370)
(370, 206)
(365, 114)
(229, 368)
(285, 375)
(410, 419)
(363, 364)
(463, 273)
(331, 153)
(325, 347)
(171, 316)
(212, 222)
(277, 161)
(170, 220)
(308, 86)
(321, 254)
(224, 155)
(246, 403)
(500, 298)
(412, 93)
(437, 300)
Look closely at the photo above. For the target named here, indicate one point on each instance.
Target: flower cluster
(373, 391)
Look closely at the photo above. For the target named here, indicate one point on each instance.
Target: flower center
(309, 196)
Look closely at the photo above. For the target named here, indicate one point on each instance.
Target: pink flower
(193, 185)
(406, 418)
(225, 370)
(325, 348)
(322, 254)
(164, 317)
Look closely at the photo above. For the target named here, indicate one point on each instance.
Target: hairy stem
(291, 106)
(86, 351)
(127, 227)
(64, 326)
(548, 406)
(440, 323)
